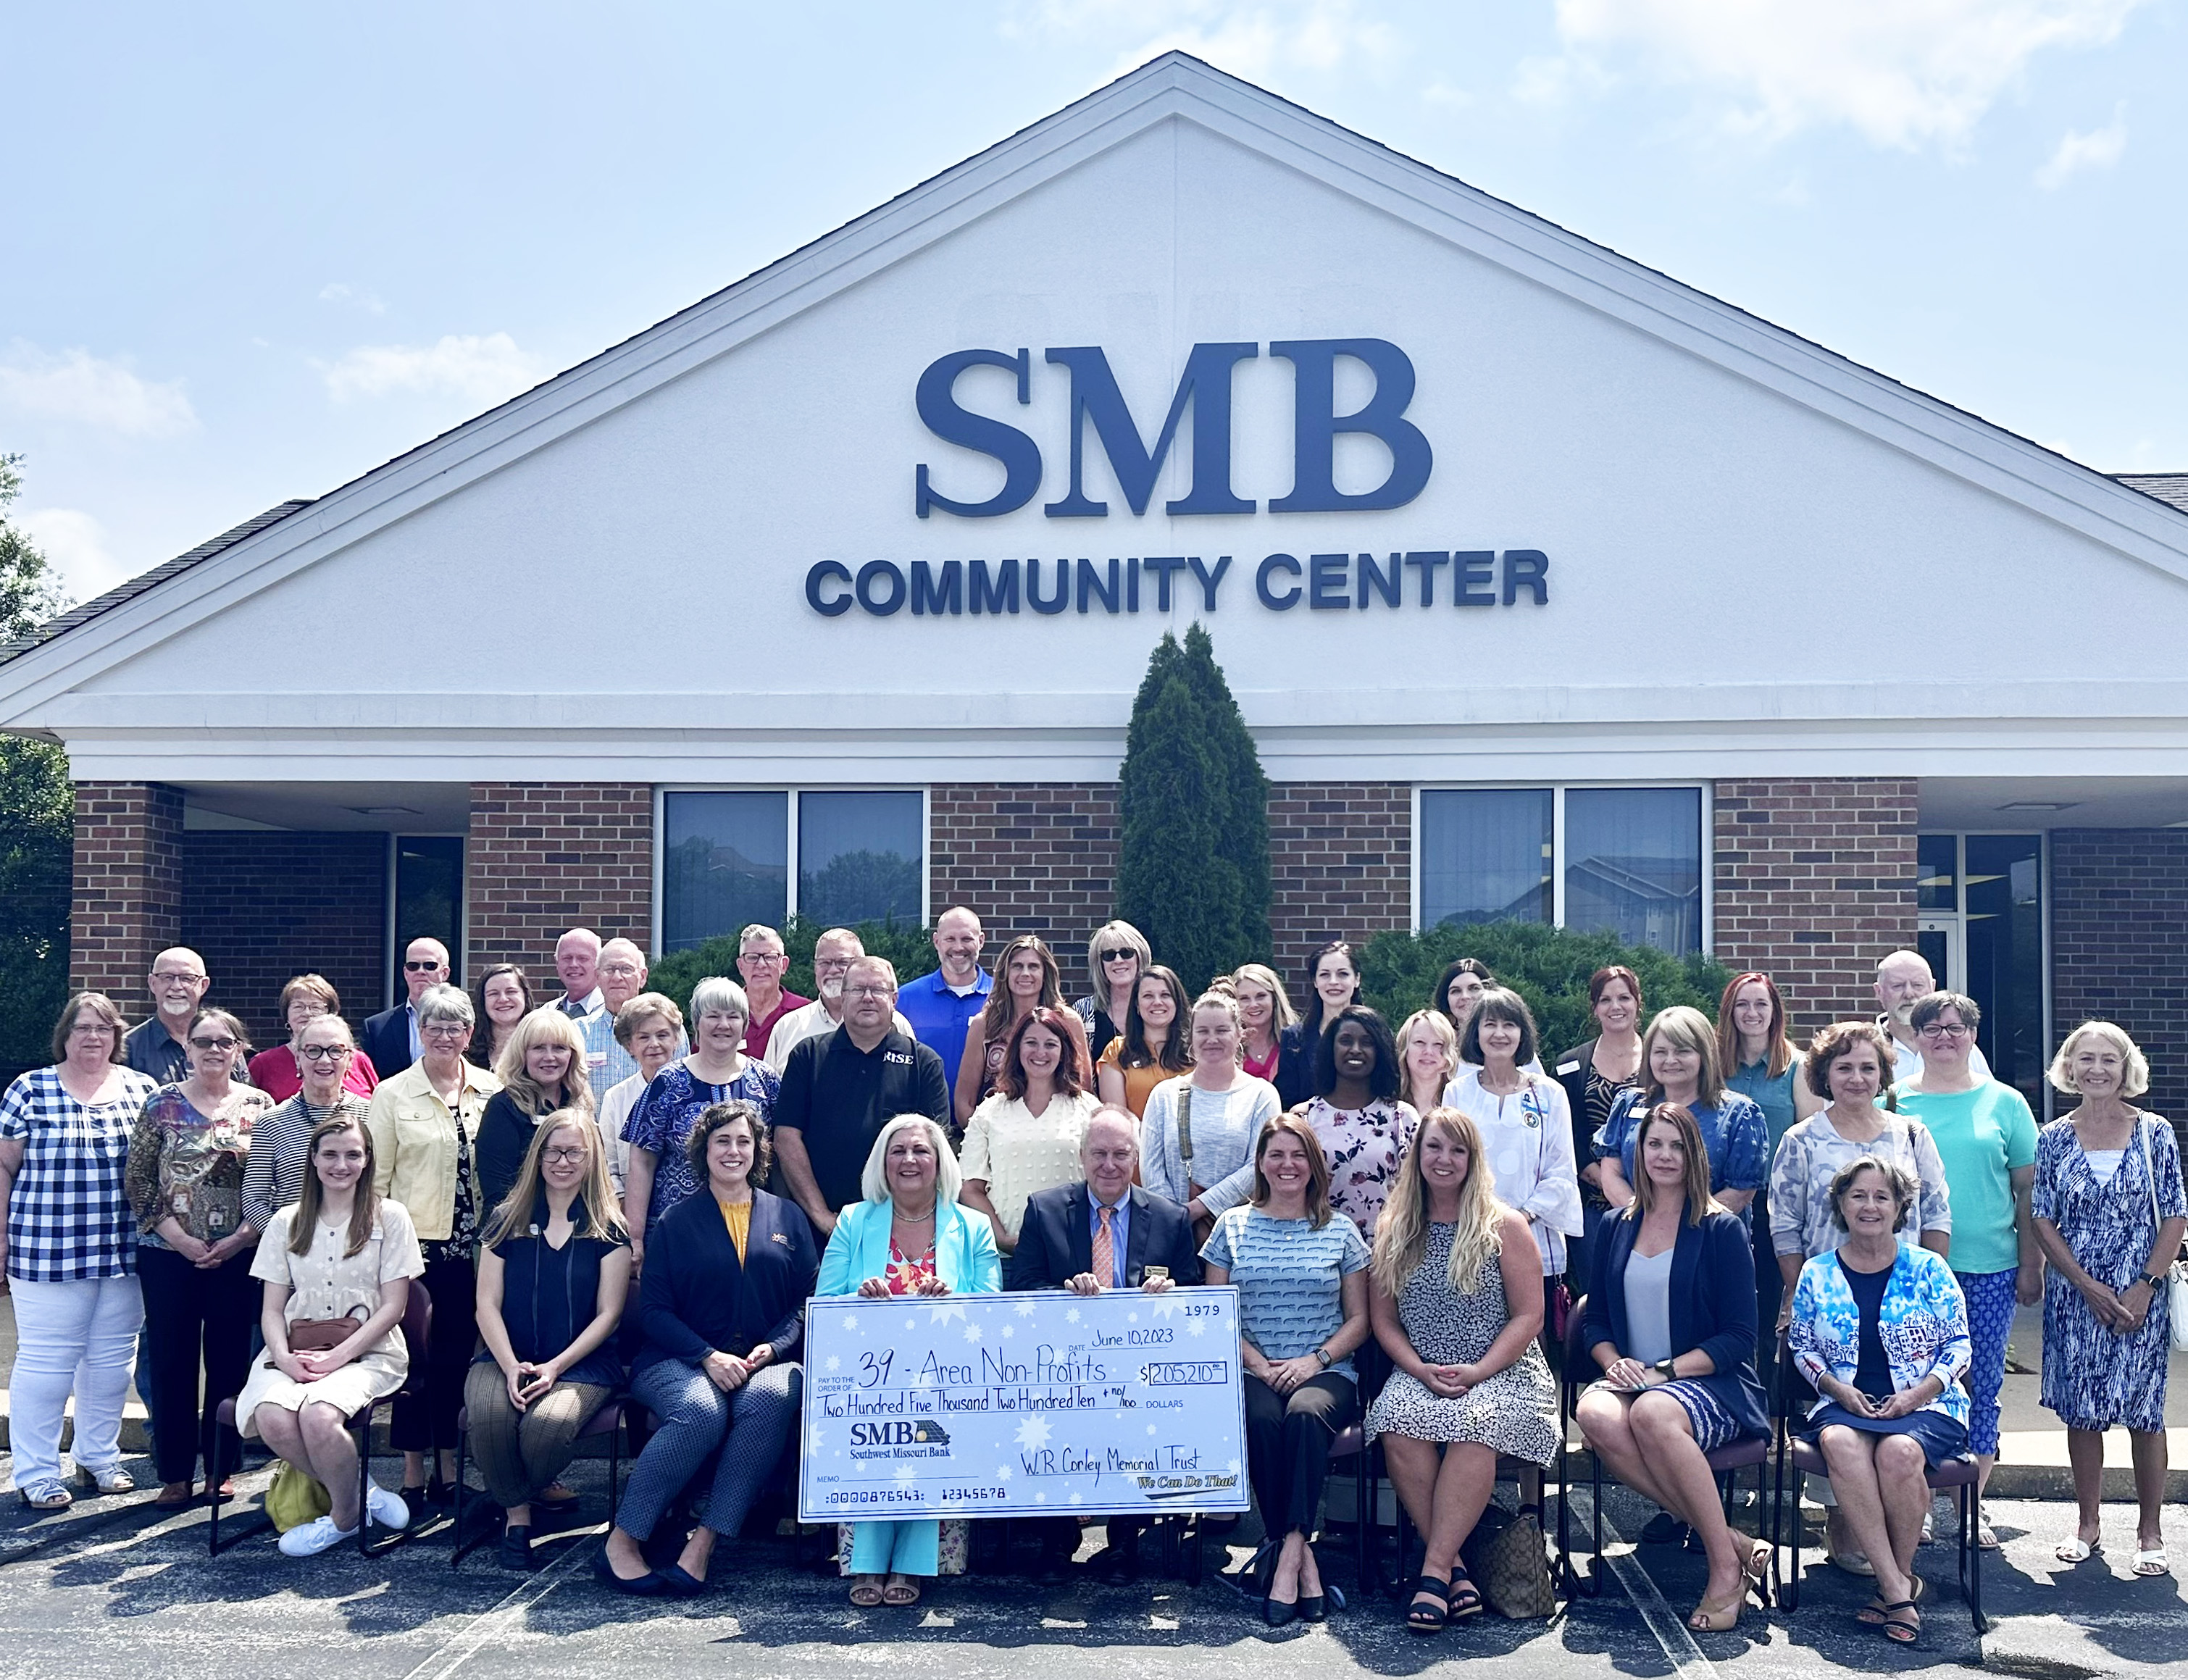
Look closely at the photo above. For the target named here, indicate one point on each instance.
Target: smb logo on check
(921, 1432)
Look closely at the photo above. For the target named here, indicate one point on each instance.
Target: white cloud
(338, 291)
(1250, 38)
(2100, 148)
(1900, 73)
(479, 369)
(75, 545)
(94, 391)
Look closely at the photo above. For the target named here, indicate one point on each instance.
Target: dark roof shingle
(2167, 486)
(136, 586)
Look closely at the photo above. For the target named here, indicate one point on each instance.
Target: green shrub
(1548, 966)
(909, 948)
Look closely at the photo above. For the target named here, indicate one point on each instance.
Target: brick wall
(1341, 860)
(263, 908)
(2119, 923)
(126, 904)
(1815, 880)
(1031, 858)
(545, 857)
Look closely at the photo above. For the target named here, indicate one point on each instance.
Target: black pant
(422, 1424)
(191, 1315)
(1288, 1440)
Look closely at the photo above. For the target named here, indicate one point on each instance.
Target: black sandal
(1428, 1618)
(1465, 1596)
(1901, 1633)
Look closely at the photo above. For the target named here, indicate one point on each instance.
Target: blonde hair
(1112, 934)
(1401, 1233)
(2134, 1070)
(1281, 1012)
(544, 1026)
(949, 1177)
(1218, 996)
(1684, 1028)
(1436, 1025)
(594, 1213)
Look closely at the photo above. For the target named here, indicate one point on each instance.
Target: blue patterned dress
(2095, 1377)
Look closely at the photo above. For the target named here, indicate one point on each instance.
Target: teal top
(1773, 1096)
(1984, 1137)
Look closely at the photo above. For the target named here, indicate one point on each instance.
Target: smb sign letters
(1119, 583)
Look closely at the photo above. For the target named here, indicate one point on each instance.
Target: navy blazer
(1294, 1068)
(1712, 1306)
(695, 1298)
(1056, 1239)
(386, 1038)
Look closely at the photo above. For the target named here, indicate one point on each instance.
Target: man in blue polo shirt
(941, 1006)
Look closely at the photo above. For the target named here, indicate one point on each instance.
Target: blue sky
(249, 252)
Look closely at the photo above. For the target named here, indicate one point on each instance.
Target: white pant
(79, 1336)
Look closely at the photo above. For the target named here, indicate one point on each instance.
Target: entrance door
(1979, 902)
(428, 901)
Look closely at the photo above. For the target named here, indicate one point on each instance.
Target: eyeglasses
(444, 1030)
(566, 1153)
(761, 956)
(831, 965)
(619, 970)
(1947, 1029)
(866, 991)
(324, 1052)
(213, 1044)
(426, 968)
(173, 978)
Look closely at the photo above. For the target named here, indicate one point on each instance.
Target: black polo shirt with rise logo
(838, 1098)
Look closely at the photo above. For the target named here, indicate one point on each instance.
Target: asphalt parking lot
(109, 1589)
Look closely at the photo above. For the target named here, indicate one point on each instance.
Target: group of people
(1411, 1220)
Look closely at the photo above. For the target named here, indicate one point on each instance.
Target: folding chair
(606, 1420)
(1797, 1457)
(1726, 1463)
(417, 1331)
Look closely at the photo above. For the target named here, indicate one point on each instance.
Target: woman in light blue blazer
(908, 1237)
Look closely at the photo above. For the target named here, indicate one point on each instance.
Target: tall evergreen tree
(1193, 870)
(37, 819)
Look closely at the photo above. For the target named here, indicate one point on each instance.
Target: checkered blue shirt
(68, 1217)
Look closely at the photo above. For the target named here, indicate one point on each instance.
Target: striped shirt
(69, 1218)
(1290, 1278)
(280, 1152)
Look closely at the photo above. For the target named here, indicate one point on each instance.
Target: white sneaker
(309, 1539)
(1929, 1526)
(387, 1508)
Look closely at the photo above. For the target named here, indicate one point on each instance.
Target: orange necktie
(1105, 1249)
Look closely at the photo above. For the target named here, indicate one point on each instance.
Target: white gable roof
(1767, 557)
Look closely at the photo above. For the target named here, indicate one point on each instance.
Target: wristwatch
(1662, 1367)
(1322, 1354)
(2155, 1280)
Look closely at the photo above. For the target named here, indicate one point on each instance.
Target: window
(725, 859)
(428, 901)
(1633, 865)
(1485, 855)
(1623, 860)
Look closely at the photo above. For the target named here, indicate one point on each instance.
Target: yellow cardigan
(413, 1144)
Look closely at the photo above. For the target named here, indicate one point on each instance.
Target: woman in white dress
(340, 1252)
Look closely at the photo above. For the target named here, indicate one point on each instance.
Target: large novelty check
(1023, 1405)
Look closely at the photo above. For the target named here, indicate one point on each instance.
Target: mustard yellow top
(737, 1215)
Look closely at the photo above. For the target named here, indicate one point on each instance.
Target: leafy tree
(37, 819)
(909, 947)
(1548, 966)
(1194, 866)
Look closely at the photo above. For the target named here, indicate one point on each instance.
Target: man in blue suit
(391, 1037)
(1105, 1233)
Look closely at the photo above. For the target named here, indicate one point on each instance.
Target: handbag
(294, 1499)
(2176, 1273)
(1205, 1226)
(1509, 1562)
(319, 1335)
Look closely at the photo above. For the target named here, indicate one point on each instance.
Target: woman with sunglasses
(1116, 956)
(194, 1245)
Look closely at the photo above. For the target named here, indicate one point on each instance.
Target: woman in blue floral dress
(2110, 1215)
